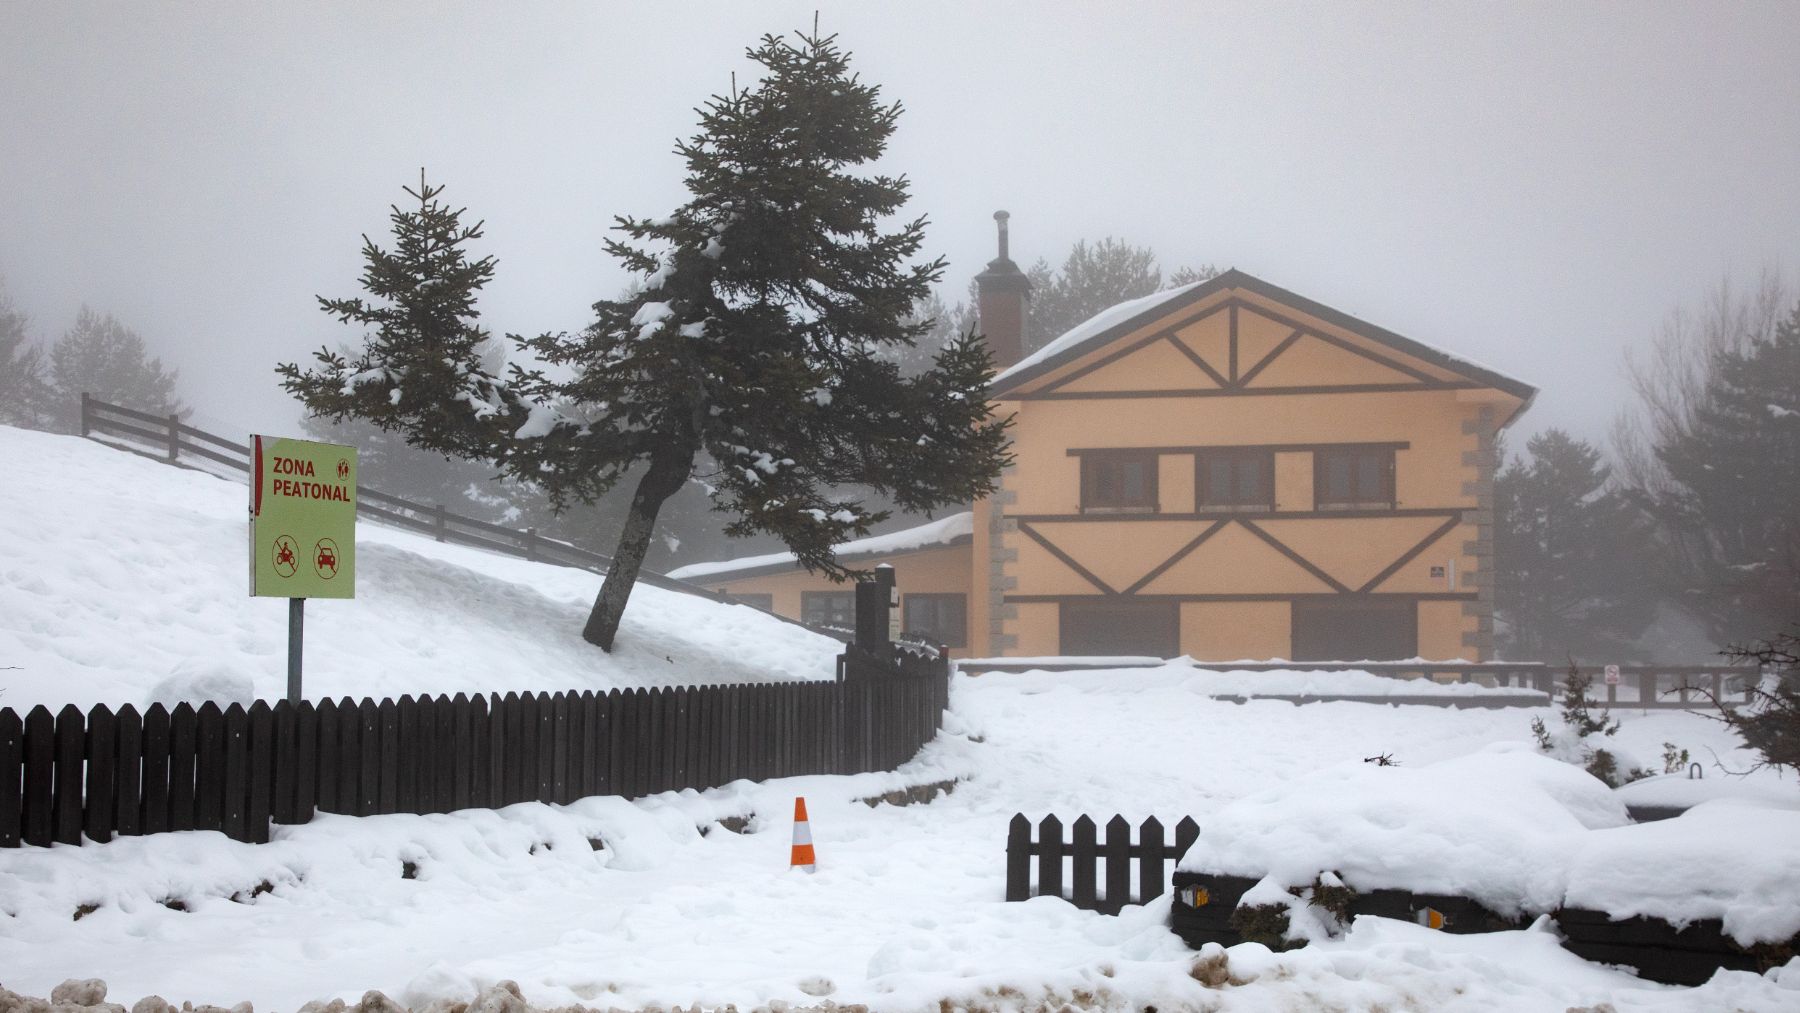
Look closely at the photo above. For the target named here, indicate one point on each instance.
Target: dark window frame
(1385, 497)
(756, 599)
(958, 637)
(811, 607)
(1092, 485)
(1204, 493)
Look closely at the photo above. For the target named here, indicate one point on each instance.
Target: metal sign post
(302, 530)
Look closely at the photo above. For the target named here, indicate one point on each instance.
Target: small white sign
(1612, 675)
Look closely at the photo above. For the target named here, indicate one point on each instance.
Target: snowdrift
(124, 580)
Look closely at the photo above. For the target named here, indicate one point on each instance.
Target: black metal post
(296, 636)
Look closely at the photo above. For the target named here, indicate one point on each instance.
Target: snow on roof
(1147, 306)
(1093, 325)
(943, 531)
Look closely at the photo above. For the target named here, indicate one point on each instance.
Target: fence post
(1018, 858)
(531, 544)
(440, 520)
(86, 414)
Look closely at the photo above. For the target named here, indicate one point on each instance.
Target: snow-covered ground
(123, 580)
(905, 910)
(116, 572)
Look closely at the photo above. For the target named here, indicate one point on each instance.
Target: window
(766, 602)
(1120, 628)
(1235, 480)
(1365, 630)
(940, 618)
(1118, 480)
(828, 608)
(1347, 478)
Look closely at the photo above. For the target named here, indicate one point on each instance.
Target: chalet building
(1226, 470)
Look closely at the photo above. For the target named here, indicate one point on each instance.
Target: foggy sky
(1528, 185)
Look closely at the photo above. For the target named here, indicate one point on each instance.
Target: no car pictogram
(325, 558)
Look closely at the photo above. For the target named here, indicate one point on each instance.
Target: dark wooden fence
(168, 438)
(1088, 853)
(69, 776)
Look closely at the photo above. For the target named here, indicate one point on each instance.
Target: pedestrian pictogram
(343, 469)
(325, 558)
(286, 558)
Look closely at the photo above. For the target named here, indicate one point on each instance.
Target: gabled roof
(1111, 324)
(955, 529)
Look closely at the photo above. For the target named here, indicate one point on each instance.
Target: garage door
(1113, 628)
(1366, 630)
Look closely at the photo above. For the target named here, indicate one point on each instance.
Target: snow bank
(123, 580)
(1730, 859)
(1182, 673)
(942, 531)
(1493, 826)
(1522, 834)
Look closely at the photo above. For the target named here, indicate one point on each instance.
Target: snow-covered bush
(1569, 743)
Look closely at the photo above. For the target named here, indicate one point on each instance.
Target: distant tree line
(41, 387)
(1696, 515)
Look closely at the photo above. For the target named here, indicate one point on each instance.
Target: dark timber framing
(1274, 448)
(1453, 518)
(1234, 280)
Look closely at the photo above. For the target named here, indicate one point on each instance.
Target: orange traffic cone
(802, 857)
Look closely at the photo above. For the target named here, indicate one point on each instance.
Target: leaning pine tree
(749, 355)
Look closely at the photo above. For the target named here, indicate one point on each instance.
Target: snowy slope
(123, 580)
(906, 912)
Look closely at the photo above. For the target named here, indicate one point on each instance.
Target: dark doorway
(1128, 627)
(1356, 630)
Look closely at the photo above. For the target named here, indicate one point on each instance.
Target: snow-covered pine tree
(753, 342)
(426, 368)
(756, 337)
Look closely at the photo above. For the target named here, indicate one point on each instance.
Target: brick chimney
(1002, 290)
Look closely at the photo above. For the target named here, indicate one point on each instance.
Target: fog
(1530, 186)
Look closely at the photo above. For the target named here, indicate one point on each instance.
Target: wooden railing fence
(1090, 886)
(73, 776)
(173, 438)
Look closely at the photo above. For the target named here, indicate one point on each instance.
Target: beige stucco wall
(943, 570)
(1436, 470)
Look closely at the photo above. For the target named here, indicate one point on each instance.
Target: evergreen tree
(1566, 547)
(1092, 278)
(25, 398)
(1182, 277)
(753, 341)
(1730, 508)
(103, 357)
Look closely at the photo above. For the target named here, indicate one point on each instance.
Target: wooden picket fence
(72, 776)
(1087, 853)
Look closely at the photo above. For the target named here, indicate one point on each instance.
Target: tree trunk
(668, 470)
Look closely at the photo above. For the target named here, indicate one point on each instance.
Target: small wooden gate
(1088, 853)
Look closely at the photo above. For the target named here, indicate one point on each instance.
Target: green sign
(302, 519)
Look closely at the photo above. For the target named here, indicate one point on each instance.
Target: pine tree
(1566, 547)
(1730, 511)
(1093, 278)
(754, 341)
(426, 369)
(103, 357)
(25, 398)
